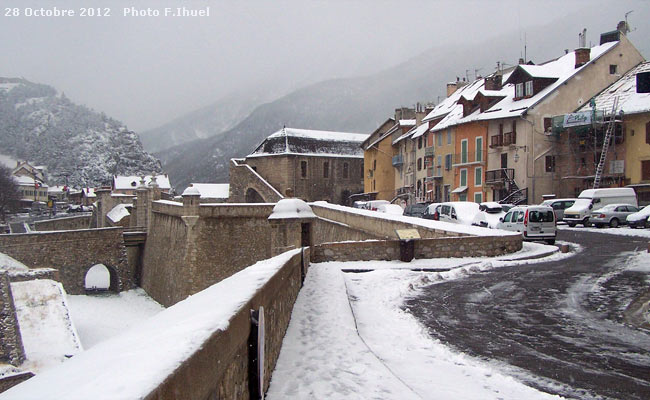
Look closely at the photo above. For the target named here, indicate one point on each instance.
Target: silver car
(612, 215)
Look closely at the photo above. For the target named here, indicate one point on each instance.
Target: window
(507, 217)
(448, 135)
(479, 149)
(463, 177)
(612, 69)
(645, 170)
(550, 164)
(647, 133)
(463, 151)
(346, 170)
(374, 165)
(447, 162)
(420, 142)
(548, 124)
(462, 197)
(439, 161)
(447, 193)
(326, 169)
(519, 90)
(643, 82)
(529, 88)
(419, 164)
(439, 138)
(478, 177)
(478, 197)
(303, 169)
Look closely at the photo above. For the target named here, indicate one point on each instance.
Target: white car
(534, 222)
(459, 212)
(489, 214)
(392, 209)
(640, 219)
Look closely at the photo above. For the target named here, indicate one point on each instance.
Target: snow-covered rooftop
(212, 190)
(629, 101)
(311, 142)
(561, 70)
(132, 182)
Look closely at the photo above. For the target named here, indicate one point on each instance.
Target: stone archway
(100, 277)
(253, 196)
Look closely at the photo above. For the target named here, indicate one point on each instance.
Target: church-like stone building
(315, 165)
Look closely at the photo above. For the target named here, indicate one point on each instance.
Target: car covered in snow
(393, 209)
(612, 215)
(489, 214)
(639, 219)
(432, 211)
(415, 210)
(459, 212)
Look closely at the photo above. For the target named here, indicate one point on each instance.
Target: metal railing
(499, 176)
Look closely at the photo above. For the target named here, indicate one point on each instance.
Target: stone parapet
(11, 343)
(64, 224)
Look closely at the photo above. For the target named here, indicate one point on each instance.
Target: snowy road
(558, 326)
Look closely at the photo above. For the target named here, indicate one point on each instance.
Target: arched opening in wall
(100, 278)
(252, 196)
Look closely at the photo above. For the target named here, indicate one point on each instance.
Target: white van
(534, 222)
(589, 199)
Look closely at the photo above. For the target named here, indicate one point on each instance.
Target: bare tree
(9, 194)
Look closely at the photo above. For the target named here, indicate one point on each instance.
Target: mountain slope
(72, 141)
(202, 123)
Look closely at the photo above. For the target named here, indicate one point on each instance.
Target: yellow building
(379, 176)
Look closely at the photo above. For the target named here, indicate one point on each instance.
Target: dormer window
(519, 90)
(529, 88)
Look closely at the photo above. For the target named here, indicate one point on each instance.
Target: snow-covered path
(349, 339)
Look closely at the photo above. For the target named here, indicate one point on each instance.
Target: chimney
(583, 55)
(521, 61)
(451, 88)
(493, 82)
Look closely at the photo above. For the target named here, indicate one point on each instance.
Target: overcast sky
(146, 71)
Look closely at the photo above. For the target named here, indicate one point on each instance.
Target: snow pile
(118, 212)
(11, 265)
(45, 324)
(212, 190)
(290, 209)
(131, 365)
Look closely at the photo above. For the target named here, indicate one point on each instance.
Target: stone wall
(10, 381)
(468, 246)
(184, 254)
(11, 343)
(72, 254)
(372, 224)
(244, 179)
(64, 224)
(220, 369)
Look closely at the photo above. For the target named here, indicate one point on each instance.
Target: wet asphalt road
(557, 326)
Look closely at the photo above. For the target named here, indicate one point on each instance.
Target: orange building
(469, 162)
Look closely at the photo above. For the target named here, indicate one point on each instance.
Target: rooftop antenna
(476, 72)
(525, 48)
(582, 38)
(627, 26)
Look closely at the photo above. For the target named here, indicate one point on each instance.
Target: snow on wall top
(118, 212)
(561, 69)
(212, 190)
(133, 364)
(132, 182)
(311, 142)
(629, 101)
(291, 209)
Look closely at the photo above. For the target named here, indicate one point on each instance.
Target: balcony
(398, 160)
(468, 158)
(499, 177)
(496, 141)
(433, 173)
(429, 151)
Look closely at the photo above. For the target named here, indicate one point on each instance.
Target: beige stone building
(314, 165)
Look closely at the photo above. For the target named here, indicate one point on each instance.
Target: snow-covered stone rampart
(196, 349)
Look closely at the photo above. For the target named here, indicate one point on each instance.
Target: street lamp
(516, 156)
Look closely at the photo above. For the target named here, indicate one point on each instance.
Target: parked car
(589, 199)
(640, 218)
(393, 209)
(458, 212)
(415, 210)
(359, 204)
(558, 206)
(374, 204)
(432, 212)
(534, 222)
(612, 215)
(489, 214)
